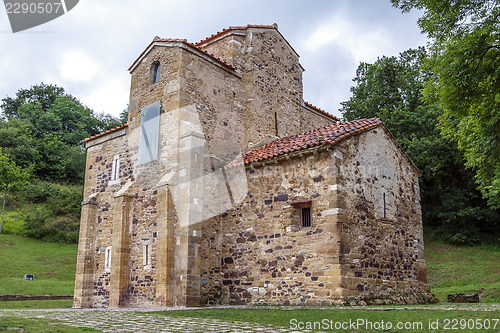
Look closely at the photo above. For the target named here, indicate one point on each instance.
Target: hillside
(53, 265)
(464, 269)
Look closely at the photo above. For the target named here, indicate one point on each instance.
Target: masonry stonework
(226, 187)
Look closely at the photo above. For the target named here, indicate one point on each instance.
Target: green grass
(12, 223)
(460, 269)
(290, 318)
(53, 265)
(16, 324)
(48, 304)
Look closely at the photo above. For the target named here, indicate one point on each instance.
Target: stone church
(226, 187)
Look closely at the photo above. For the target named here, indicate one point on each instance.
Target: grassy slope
(53, 265)
(454, 269)
(12, 223)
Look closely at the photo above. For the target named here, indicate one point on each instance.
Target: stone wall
(96, 230)
(259, 253)
(272, 83)
(5, 298)
(383, 256)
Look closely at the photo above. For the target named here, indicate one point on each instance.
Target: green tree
(51, 111)
(391, 89)
(42, 93)
(123, 116)
(465, 60)
(17, 137)
(44, 128)
(11, 177)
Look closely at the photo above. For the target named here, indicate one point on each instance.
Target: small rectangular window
(305, 217)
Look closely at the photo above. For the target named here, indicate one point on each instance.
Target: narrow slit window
(305, 217)
(147, 255)
(115, 170)
(276, 123)
(107, 258)
(384, 204)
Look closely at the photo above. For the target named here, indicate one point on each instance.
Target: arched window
(155, 72)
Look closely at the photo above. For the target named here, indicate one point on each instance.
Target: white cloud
(110, 96)
(363, 43)
(76, 66)
(88, 51)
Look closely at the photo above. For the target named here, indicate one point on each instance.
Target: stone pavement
(143, 320)
(128, 320)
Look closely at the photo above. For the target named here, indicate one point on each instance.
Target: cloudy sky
(88, 50)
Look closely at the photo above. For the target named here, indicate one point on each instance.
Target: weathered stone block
(463, 298)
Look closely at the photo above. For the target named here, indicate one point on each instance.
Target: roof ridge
(212, 56)
(321, 111)
(105, 132)
(330, 134)
(160, 39)
(236, 27)
(157, 39)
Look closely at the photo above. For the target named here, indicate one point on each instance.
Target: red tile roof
(105, 133)
(321, 111)
(273, 26)
(326, 135)
(183, 41)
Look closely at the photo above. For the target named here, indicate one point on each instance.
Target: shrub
(34, 223)
(12, 224)
(52, 211)
(40, 225)
(39, 191)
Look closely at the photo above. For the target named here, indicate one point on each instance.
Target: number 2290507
(471, 324)
(33, 8)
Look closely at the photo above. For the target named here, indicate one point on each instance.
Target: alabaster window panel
(149, 132)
